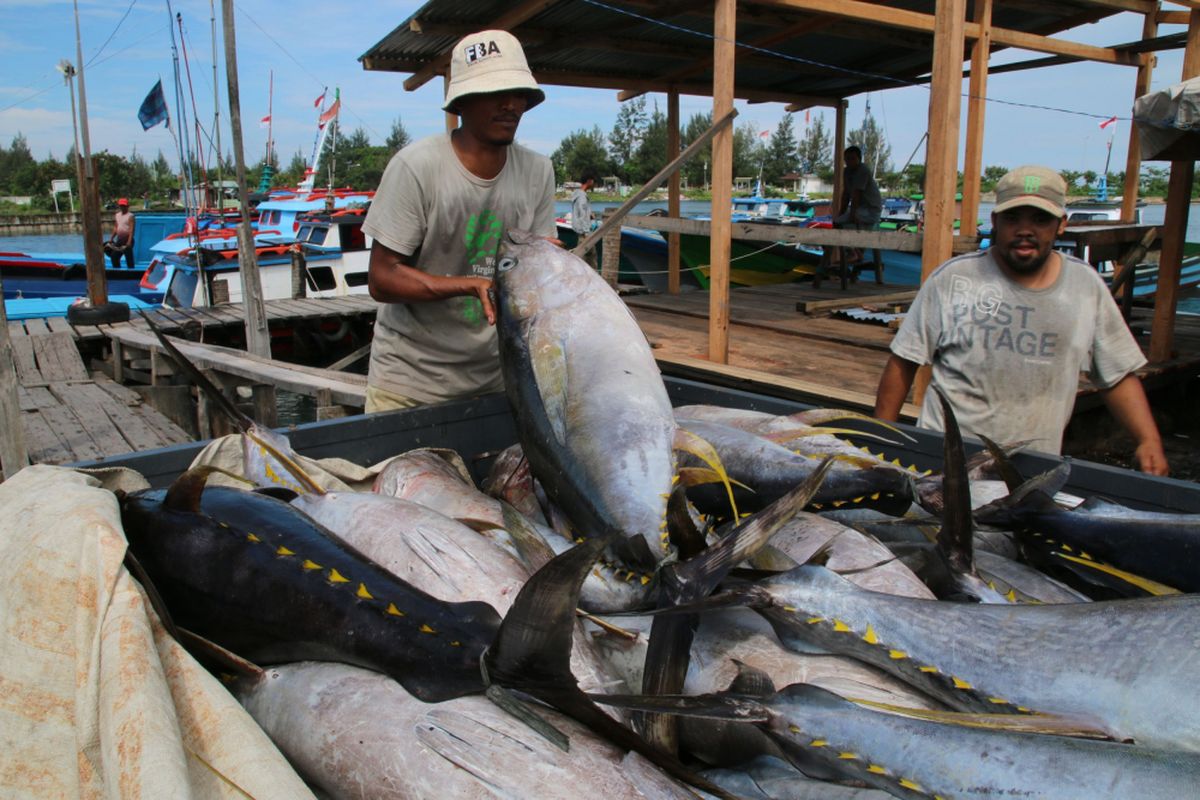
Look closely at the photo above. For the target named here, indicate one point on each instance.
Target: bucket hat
(1040, 187)
(487, 62)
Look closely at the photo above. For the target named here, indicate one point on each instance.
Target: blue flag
(154, 108)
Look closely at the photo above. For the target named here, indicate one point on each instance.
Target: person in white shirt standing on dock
(438, 219)
(1008, 330)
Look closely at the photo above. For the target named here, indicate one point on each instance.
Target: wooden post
(941, 163)
(839, 147)
(610, 263)
(1133, 159)
(12, 438)
(724, 31)
(673, 191)
(1179, 196)
(258, 340)
(973, 167)
(299, 269)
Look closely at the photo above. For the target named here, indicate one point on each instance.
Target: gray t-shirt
(449, 222)
(1008, 358)
(870, 207)
(581, 213)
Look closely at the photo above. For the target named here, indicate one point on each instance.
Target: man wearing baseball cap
(120, 241)
(437, 220)
(1009, 329)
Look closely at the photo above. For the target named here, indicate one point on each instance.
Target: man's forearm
(391, 280)
(1127, 402)
(894, 384)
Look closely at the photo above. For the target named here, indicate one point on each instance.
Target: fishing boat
(643, 257)
(36, 274)
(336, 254)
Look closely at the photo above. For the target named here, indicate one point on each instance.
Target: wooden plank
(70, 430)
(976, 103)
(60, 325)
(945, 102)
(82, 402)
(815, 306)
(345, 388)
(45, 446)
(25, 361)
(789, 234)
(58, 357)
(1133, 155)
(36, 326)
(141, 425)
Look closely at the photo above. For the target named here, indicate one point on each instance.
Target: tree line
(354, 161)
(633, 151)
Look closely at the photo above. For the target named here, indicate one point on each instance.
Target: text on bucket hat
(123, 202)
(486, 62)
(1040, 187)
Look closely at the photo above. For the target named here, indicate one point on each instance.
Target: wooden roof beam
(705, 64)
(874, 14)
(508, 21)
(644, 85)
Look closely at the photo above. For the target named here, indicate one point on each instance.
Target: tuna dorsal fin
(185, 491)
(750, 681)
(954, 541)
(1008, 471)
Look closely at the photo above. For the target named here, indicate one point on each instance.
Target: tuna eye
(506, 264)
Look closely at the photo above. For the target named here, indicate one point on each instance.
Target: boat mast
(212, 23)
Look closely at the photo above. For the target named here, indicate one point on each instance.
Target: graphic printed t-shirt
(1008, 358)
(449, 222)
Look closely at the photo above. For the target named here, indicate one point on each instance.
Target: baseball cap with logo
(486, 62)
(1040, 187)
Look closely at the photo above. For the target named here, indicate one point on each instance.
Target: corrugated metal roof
(805, 57)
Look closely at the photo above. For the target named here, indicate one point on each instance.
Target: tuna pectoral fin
(1013, 723)
(708, 706)
(532, 547)
(699, 476)
(796, 434)
(689, 442)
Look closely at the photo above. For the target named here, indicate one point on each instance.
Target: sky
(311, 45)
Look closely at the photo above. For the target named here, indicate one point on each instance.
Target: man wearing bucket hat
(1008, 330)
(437, 221)
(120, 241)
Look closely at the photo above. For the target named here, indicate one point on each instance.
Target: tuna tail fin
(532, 653)
(1058, 725)
(954, 540)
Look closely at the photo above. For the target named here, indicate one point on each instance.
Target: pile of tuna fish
(659, 602)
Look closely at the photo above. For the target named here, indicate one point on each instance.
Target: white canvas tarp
(96, 699)
(1168, 122)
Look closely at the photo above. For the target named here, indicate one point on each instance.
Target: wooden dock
(70, 413)
(817, 357)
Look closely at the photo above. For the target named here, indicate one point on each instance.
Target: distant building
(16, 200)
(806, 183)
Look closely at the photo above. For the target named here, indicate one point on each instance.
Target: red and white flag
(265, 121)
(764, 134)
(1107, 122)
(321, 99)
(330, 112)
(807, 111)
